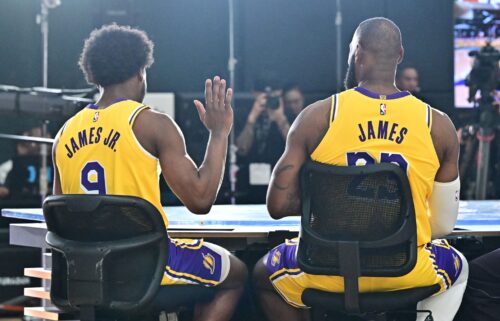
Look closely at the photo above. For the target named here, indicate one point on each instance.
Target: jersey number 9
(93, 178)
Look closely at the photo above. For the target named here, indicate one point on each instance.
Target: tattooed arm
(283, 195)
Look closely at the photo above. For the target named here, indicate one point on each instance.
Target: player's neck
(111, 95)
(380, 81)
(381, 87)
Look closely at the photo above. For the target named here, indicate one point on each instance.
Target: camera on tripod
(484, 78)
(484, 73)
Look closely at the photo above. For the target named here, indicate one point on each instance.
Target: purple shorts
(194, 261)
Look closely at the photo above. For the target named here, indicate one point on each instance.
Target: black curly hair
(113, 54)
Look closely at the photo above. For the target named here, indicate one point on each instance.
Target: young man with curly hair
(116, 145)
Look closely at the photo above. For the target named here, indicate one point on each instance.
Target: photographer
(267, 118)
(19, 176)
(261, 140)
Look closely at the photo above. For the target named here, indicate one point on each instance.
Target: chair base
(400, 315)
(371, 304)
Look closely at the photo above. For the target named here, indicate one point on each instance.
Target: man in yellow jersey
(117, 145)
(371, 122)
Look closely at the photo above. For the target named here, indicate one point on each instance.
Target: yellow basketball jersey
(98, 153)
(367, 128)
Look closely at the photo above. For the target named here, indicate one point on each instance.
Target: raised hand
(217, 115)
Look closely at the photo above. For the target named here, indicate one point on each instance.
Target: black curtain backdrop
(292, 38)
(295, 39)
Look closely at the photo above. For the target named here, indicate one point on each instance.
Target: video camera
(484, 78)
(484, 73)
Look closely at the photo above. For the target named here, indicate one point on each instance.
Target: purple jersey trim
(138, 110)
(429, 116)
(114, 101)
(117, 100)
(371, 94)
(283, 259)
(334, 107)
(446, 261)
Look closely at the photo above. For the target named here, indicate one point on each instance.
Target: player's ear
(401, 55)
(359, 54)
(142, 75)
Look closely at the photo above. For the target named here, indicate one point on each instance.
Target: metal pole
(44, 25)
(44, 181)
(231, 66)
(485, 136)
(29, 139)
(338, 29)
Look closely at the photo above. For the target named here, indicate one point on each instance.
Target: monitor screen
(477, 22)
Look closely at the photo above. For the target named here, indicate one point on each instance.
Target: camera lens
(273, 102)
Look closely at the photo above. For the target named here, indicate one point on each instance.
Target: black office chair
(358, 221)
(108, 258)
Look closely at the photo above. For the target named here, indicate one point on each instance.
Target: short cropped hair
(113, 54)
(291, 86)
(402, 68)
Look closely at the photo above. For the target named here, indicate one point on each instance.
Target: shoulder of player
(443, 133)
(152, 119)
(153, 130)
(156, 127)
(315, 113)
(61, 131)
(441, 123)
(312, 123)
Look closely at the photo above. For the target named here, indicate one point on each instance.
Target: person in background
(273, 111)
(261, 139)
(481, 300)
(407, 79)
(22, 149)
(294, 101)
(4, 190)
(266, 125)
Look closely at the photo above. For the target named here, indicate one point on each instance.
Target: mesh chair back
(370, 206)
(107, 251)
